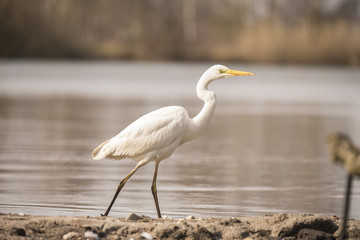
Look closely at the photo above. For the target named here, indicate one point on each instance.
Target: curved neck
(201, 120)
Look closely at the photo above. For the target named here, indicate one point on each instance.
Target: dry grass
(335, 43)
(160, 30)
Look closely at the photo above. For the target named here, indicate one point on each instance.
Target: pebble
(189, 217)
(147, 236)
(90, 234)
(167, 217)
(70, 235)
(132, 217)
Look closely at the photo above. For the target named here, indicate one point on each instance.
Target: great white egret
(156, 135)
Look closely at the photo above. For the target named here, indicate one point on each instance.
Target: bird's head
(220, 71)
(213, 73)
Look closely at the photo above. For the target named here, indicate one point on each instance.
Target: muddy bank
(278, 226)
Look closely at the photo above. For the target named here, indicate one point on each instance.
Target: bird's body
(153, 136)
(156, 135)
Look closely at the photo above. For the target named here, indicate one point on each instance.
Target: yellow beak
(238, 73)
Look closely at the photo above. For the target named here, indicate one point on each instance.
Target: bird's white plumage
(156, 135)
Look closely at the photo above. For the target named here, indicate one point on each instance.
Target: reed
(262, 31)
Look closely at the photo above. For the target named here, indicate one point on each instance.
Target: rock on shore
(270, 227)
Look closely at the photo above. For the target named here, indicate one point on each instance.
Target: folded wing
(152, 132)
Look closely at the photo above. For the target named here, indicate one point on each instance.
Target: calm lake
(263, 152)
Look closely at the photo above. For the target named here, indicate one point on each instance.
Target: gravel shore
(270, 227)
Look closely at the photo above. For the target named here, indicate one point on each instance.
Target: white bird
(156, 135)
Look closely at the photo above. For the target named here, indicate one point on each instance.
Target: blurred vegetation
(307, 31)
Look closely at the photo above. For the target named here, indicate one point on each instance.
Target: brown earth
(270, 227)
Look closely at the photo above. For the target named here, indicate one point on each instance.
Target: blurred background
(321, 31)
(75, 73)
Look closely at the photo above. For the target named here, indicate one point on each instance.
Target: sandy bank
(278, 226)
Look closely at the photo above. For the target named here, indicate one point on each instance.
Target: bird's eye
(222, 71)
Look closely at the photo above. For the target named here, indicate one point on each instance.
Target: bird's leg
(154, 190)
(121, 185)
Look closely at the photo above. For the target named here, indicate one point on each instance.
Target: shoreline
(270, 227)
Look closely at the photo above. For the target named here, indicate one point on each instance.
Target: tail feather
(100, 151)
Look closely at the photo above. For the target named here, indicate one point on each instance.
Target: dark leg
(121, 185)
(347, 206)
(154, 190)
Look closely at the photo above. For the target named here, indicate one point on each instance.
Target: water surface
(263, 152)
